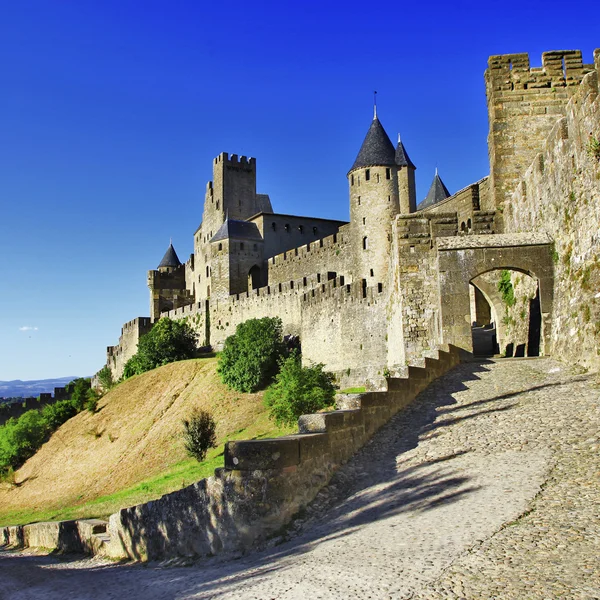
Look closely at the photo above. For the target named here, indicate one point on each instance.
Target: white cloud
(28, 328)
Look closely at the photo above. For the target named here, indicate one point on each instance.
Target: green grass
(178, 476)
(352, 390)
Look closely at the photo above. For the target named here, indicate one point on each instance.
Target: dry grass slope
(134, 436)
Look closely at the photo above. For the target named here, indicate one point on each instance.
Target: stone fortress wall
(559, 194)
(371, 295)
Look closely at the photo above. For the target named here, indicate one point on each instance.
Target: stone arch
(254, 278)
(462, 259)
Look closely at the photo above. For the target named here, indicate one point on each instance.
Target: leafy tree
(250, 356)
(58, 413)
(199, 434)
(78, 392)
(298, 390)
(106, 379)
(168, 341)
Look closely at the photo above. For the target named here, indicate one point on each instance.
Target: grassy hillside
(131, 450)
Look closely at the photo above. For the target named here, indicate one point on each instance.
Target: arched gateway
(463, 259)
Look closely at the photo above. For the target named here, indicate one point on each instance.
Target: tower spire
(374, 105)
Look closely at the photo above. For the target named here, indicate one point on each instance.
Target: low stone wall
(263, 484)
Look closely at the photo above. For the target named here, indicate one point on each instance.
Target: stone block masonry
(262, 485)
(560, 195)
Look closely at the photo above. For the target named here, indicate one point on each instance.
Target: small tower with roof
(407, 194)
(374, 202)
(167, 285)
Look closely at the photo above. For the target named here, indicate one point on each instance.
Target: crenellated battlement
(560, 68)
(235, 160)
(332, 242)
(338, 290)
(524, 103)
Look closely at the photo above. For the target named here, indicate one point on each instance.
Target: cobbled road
(488, 486)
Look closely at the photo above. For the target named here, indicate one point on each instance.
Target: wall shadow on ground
(373, 486)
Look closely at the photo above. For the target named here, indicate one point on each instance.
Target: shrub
(250, 357)
(298, 390)
(58, 413)
(199, 434)
(505, 287)
(20, 438)
(105, 378)
(91, 401)
(168, 341)
(78, 392)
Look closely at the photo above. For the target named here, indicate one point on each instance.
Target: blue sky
(111, 113)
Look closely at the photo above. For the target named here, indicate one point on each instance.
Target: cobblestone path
(487, 487)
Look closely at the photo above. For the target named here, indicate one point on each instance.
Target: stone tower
(167, 285)
(524, 104)
(407, 192)
(374, 202)
(231, 194)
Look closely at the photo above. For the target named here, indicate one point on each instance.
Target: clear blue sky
(111, 112)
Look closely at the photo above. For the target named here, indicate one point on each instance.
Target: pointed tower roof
(377, 148)
(402, 159)
(170, 259)
(437, 192)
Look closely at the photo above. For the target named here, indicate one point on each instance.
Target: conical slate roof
(377, 148)
(237, 229)
(402, 159)
(170, 259)
(437, 192)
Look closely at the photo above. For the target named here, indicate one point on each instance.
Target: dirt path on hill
(488, 487)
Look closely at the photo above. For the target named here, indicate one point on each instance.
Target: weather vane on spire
(374, 105)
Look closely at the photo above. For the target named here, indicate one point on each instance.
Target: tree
(168, 341)
(78, 392)
(298, 390)
(105, 379)
(199, 434)
(250, 356)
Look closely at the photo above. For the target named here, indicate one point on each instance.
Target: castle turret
(407, 194)
(167, 285)
(374, 202)
(437, 192)
(169, 261)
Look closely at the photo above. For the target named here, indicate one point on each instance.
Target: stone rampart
(131, 332)
(333, 329)
(330, 254)
(523, 105)
(560, 195)
(263, 484)
(16, 408)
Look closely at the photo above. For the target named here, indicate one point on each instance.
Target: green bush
(505, 287)
(58, 413)
(78, 392)
(199, 434)
(105, 379)
(168, 341)
(20, 438)
(299, 390)
(250, 357)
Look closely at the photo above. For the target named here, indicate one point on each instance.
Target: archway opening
(505, 313)
(254, 278)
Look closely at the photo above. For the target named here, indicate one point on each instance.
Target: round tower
(374, 202)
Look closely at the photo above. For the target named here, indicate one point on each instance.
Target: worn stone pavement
(487, 487)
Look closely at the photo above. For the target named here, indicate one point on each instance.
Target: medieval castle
(508, 264)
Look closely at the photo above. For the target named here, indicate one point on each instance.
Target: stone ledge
(499, 240)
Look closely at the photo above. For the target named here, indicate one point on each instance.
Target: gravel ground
(487, 487)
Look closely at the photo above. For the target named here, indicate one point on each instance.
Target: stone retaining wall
(263, 484)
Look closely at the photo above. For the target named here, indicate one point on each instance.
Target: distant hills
(24, 389)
